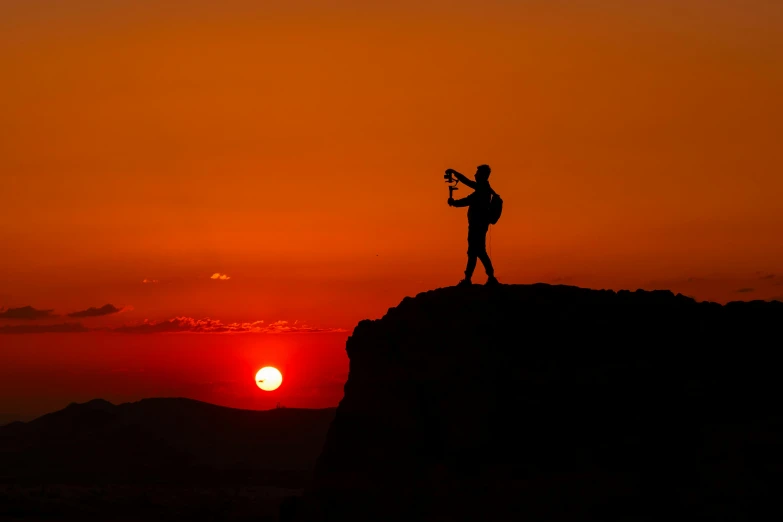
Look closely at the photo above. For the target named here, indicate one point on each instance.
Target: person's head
(482, 172)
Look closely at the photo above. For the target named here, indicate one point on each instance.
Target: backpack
(495, 208)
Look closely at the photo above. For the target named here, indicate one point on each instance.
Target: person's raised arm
(464, 179)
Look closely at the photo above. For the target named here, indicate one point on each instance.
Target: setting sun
(269, 378)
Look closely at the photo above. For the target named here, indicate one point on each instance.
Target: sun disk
(269, 378)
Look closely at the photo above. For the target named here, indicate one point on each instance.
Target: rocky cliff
(556, 403)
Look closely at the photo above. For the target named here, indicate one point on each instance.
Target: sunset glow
(189, 189)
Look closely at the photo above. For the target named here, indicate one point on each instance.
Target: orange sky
(298, 147)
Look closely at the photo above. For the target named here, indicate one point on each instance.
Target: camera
(449, 177)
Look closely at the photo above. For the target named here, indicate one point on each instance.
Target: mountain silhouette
(158, 459)
(539, 402)
(165, 440)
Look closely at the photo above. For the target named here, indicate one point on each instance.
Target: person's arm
(464, 202)
(464, 179)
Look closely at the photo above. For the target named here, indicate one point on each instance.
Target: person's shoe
(465, 282)
(491, 281)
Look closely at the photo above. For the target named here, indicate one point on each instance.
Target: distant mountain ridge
(10, 418)
(165, 439)
(540, 402)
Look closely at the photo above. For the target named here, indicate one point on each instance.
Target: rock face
(556, 403)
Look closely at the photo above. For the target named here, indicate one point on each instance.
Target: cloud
(220, 277)
(106, 309)
(26, 313)
(187, 324)
(176, 325)
(768, 276)
(150, 281)
(296, 327)
(43, 328)
(745, 290)
(207, 325)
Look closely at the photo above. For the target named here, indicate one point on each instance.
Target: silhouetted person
(478, 221)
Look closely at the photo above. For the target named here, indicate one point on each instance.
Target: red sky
(298, 147)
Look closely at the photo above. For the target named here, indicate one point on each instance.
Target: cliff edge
(556, 403)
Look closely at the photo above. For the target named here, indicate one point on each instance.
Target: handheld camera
(449, 177)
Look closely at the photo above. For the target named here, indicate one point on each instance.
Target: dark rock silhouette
(556, 403)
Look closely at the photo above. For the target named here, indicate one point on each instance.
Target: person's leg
(472, 255)
(487, 262)
(471, 265)
(480, 250)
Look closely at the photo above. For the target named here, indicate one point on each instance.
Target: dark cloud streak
(107, 309)
(26, 313)
(43, 328)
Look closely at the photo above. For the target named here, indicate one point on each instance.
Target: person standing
(478, 204)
